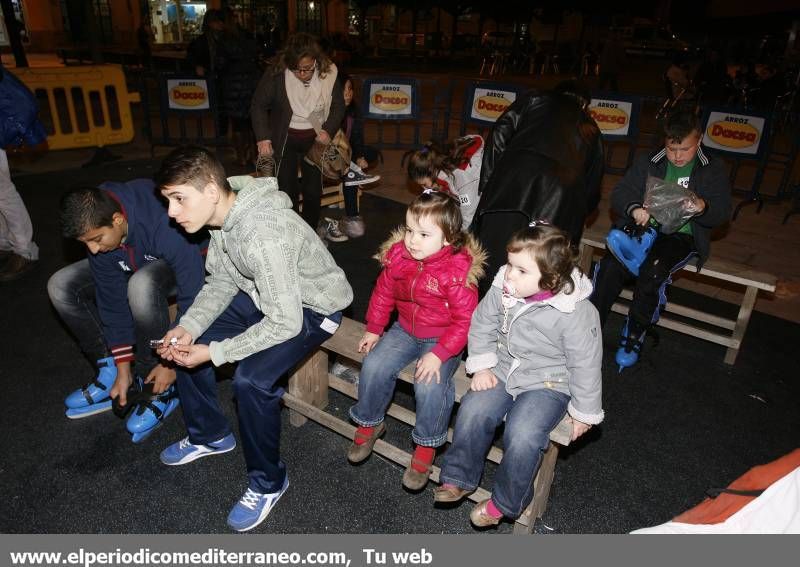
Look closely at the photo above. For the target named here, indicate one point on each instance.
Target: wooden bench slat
(721, 269)
(753, 280)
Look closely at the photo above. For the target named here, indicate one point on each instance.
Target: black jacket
(543, 158)
(708, 179)
(271, 112)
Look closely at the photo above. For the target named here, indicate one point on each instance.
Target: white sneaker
(332, 230)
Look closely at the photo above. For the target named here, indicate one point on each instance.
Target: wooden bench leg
(742, 321)
(309, 383)
(585, 257)
(541, 492)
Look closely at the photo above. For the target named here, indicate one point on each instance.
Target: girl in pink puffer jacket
(430, 272)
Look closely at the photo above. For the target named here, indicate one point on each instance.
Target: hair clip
(429, 190)
(538, 222)
(424, 150)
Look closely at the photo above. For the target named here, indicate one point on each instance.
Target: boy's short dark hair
(679, 125)
(191, 165)
(86, 208)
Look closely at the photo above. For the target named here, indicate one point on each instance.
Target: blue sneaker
(184, 451)
(254, 507)
(94, 397)
(150, 413)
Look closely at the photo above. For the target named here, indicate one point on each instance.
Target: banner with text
(616, 115)
(187, 94)
(393, 98)
(736, 134)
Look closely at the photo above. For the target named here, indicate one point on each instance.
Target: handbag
(331, 159)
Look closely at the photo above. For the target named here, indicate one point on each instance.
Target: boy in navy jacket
(116, 300)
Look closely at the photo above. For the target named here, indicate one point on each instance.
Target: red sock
(492, 510)
(424, 455)
(366, 432)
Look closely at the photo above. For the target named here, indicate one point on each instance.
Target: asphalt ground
(679, 423)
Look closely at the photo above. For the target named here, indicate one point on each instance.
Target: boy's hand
(483, 380)
(122, 383)
(695, 205)
(427, 367)
(190, 356)
(640, 216)
(367, 342)
(181, 336)
(162, 378)
(578, 428)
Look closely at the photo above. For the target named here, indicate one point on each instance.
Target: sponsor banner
(187, 94)
(613, 117)
(488, 104)
(391, 99)
(734, 133)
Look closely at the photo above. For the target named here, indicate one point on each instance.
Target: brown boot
(16, 267)
(359, 452)
(450, 493)
(413, 479)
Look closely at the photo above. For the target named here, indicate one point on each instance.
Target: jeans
(670, 253)
(529, 420)
(434, 402)
(256, 388)
(72, 293)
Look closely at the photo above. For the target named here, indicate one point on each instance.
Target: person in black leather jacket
(543, 160)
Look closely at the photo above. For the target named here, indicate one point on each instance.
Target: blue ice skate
(631, 245)
(149, 413)
(630, 345)
(94, 397)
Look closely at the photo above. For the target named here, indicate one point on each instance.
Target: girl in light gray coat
(535, 352)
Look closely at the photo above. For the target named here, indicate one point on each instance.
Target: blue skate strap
(85, 390)
(140, 396)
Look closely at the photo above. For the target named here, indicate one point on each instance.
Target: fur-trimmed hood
(471, 246)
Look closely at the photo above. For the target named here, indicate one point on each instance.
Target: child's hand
(362, 163)
(427, 367)
(579, 428)
(162, 378)
(695, 205)
(368, 341)
(483, 380)
(640, 216)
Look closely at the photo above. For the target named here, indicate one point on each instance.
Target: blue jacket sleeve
(111, 293)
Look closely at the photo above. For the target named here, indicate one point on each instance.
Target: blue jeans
(256, 388)
(72, 293)
(378, 377)
(529, 420)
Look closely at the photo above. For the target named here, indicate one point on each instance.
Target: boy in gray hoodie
(273, 294)
(535, 352)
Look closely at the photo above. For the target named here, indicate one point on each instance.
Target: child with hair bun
(454, 168)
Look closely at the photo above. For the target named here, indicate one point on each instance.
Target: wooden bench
(594, 241)
(307, 396)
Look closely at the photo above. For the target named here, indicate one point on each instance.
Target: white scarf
(311, 102)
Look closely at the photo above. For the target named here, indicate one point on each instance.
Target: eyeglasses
(309, 69)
